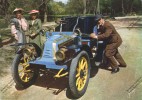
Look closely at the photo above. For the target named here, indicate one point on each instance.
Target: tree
(57, 9)
(81, 7)
(84, 6)
(4, 7)
(73, 7)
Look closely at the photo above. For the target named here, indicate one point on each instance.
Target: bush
(3, 23)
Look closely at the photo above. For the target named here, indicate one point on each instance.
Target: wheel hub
(81, 74)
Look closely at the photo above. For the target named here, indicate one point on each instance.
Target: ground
(125, 85)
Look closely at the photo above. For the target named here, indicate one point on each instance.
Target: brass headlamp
(60, 54)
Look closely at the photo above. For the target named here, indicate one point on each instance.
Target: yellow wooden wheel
(23, 73)
(81, 73)
(24, 70)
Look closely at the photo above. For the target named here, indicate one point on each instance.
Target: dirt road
(125, 85)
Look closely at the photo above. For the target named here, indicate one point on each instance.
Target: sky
(64, 1)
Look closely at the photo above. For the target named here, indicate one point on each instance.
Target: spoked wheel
(23, 73)
(79, 74)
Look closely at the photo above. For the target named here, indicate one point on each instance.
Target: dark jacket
(110, 35)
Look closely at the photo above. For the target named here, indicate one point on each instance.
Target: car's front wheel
(23, 73)
(79, 74)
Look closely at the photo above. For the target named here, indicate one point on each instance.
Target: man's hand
(92, 35)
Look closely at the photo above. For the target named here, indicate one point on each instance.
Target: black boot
(114, 70)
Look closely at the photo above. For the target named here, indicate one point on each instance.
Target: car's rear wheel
(79, 74)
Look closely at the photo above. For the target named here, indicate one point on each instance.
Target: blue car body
(51, 46)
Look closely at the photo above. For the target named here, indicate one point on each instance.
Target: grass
(5, 34)
(4, 31)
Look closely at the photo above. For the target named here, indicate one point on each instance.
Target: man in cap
(113, 40)
(100, 44)
(19, 25)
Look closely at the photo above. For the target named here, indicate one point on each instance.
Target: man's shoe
(103, 66)
(122, 65)
(115, 70)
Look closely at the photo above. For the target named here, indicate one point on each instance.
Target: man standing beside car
(113, 40)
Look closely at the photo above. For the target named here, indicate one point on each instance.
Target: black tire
(76, 76)
(31, 70)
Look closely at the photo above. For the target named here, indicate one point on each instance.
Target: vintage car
(69, 50)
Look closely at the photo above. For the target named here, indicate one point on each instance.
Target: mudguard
(19, 50)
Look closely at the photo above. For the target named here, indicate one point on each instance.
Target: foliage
(73, 7)
(78, 7)
(107, 7)
(57, 8)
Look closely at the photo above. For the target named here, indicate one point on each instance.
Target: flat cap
(98, 17)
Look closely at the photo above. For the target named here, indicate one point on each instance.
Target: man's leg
(110, 56)
(109, 53)
(104, 63)
(120, 59)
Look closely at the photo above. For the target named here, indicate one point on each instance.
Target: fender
(19, 50)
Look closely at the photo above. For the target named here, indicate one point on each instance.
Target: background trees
(81, 6)
(73, 7)
(4, 4)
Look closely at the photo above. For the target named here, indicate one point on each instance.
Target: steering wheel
(61, 21)
(77, 32)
